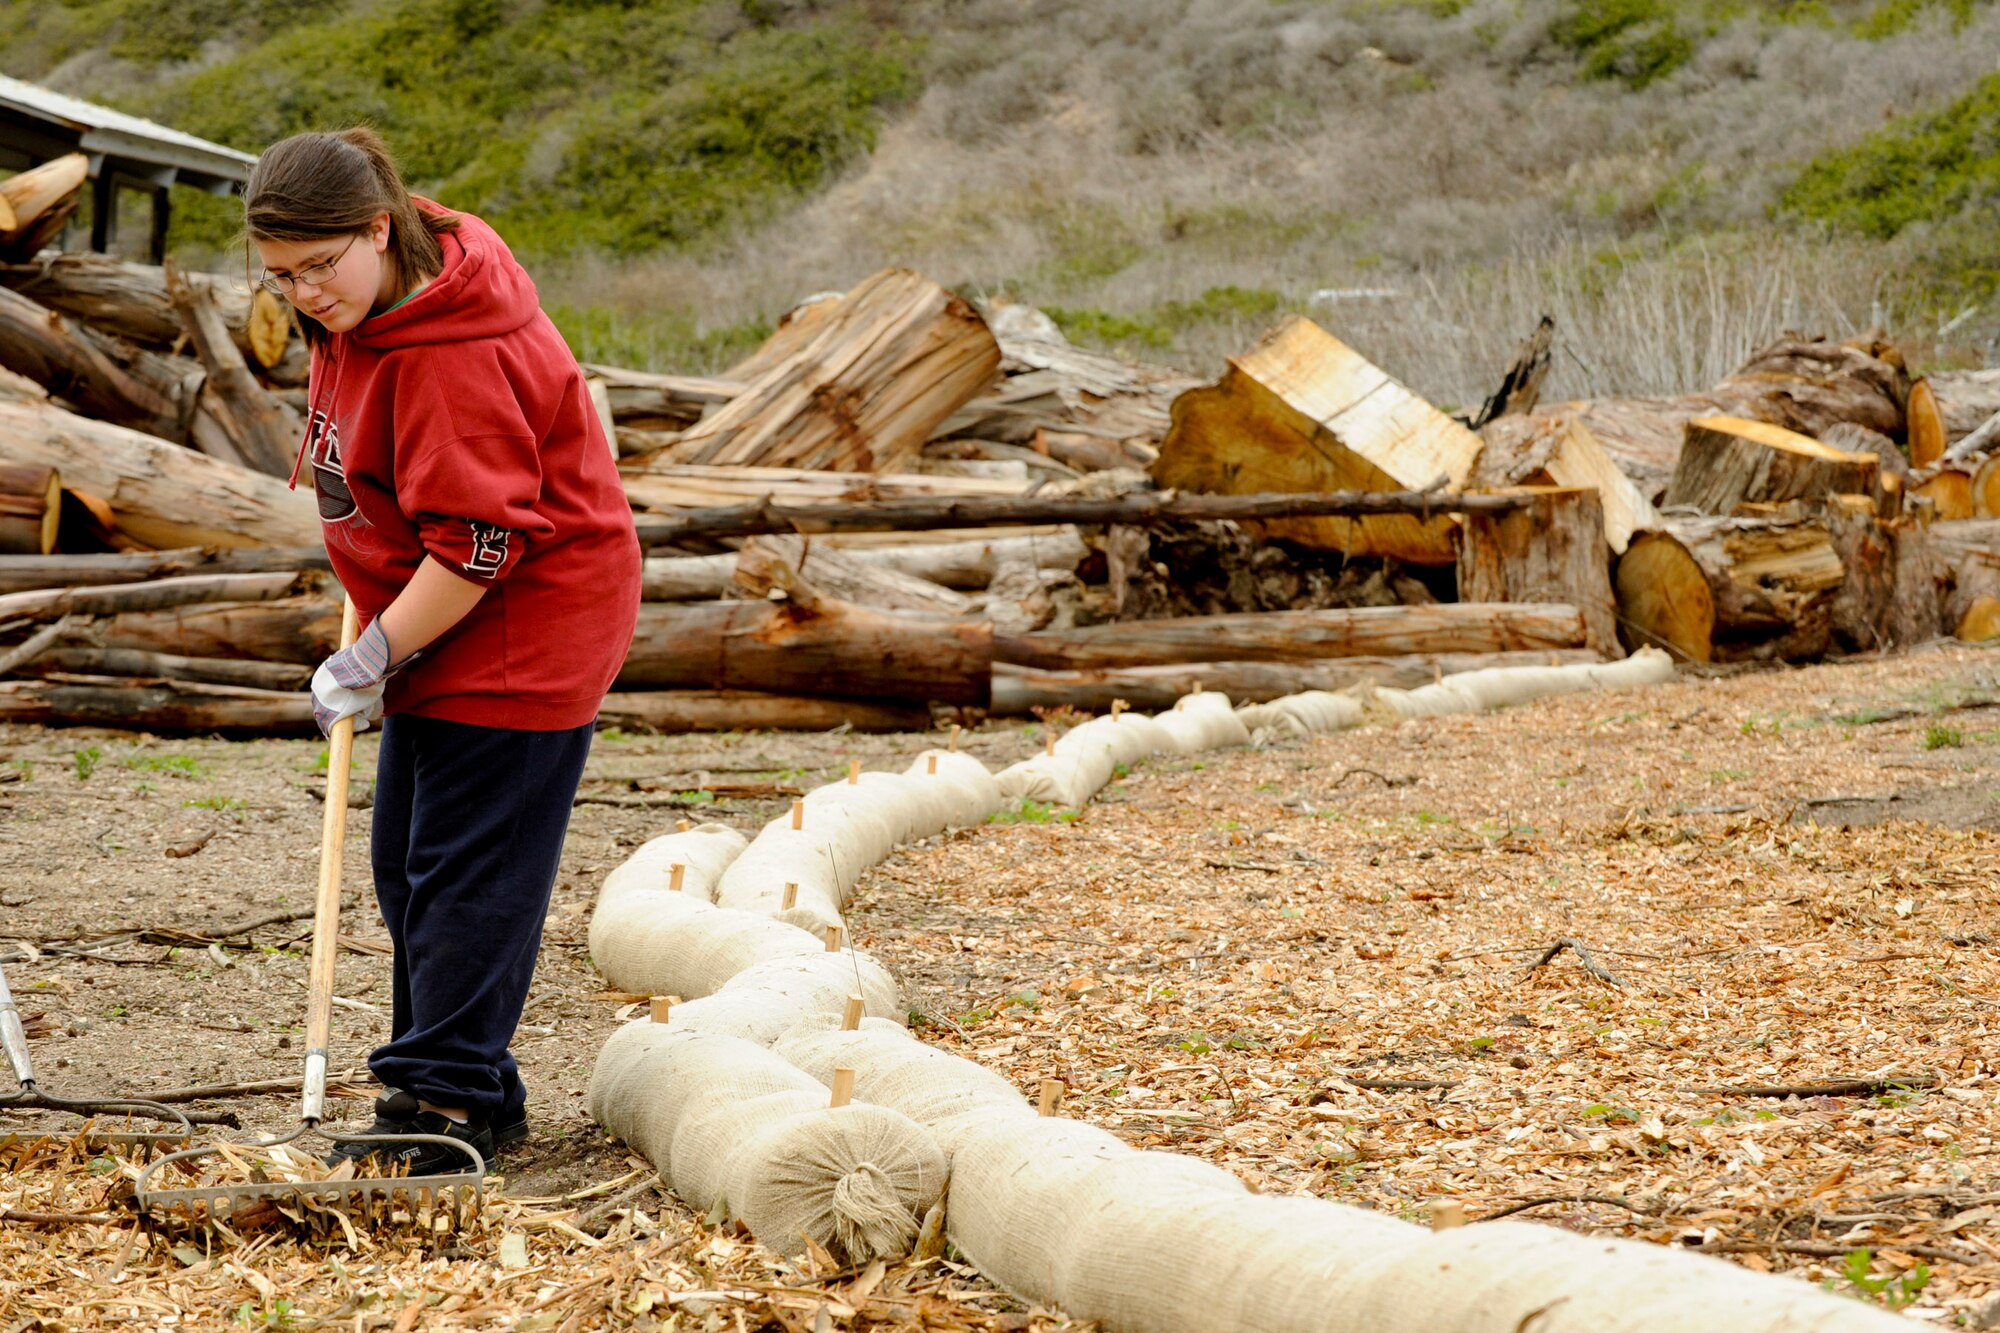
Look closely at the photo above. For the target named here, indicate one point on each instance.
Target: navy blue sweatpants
(468, 832)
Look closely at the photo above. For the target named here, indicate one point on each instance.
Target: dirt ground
(1783, 878)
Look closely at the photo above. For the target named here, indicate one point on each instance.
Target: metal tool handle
(326, 904)
(14, 1037)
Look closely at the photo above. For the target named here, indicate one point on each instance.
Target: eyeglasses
(313, 275)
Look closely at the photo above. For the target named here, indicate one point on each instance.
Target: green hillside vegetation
(1672, 179)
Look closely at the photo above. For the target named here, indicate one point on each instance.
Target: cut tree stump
(1302, 411)
(748, 710)
(30, 509)
(810, 646)
(1927, 434)
(161, 494)
(1981, 621)
(862, 389)
(131, 302)
(1020, 690)
(1729, 461)
(108, 379)
(1560, 451)
(1281, 636)
(1948, 487)
(1551, 551)
(1716, 589)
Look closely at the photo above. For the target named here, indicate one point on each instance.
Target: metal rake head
(421, 1201)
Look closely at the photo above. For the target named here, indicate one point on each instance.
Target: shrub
(1635, 41)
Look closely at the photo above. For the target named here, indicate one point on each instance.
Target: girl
(473, 513)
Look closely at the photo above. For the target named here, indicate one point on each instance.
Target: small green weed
(614, 736)
(226, 804)
(1196, 1043)
(87, 760)
(1034, 812)
(179, 765)
(697, 796)
(1939, 738)
(1611, 1115)
(1895, 1292)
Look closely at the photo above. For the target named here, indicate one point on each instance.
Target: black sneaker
(511, 1128)
(397, 1113)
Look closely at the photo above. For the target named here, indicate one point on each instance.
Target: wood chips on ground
(1313, 965)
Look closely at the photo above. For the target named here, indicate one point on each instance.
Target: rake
(371, 1198)
(30, 1096)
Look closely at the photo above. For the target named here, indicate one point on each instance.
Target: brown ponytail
(312, 186)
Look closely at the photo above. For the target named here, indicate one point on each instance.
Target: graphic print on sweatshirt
(336, 501)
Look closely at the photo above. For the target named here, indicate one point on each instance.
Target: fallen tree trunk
(1146, 507)
(1302, 411)
(32, 200)
(131, 301)
(746, 710)
(1018, 689)
(690, 486)
(1719, 589)
(303, 631)
(154, 705)
(1728, 461)
(111, 381)
(238, 421)
(839, 575)
(49, 603)
(30, 511)
(18, 573)
(132, 663)
(644, 401)
(825, 648)
(865, 386)
(957, 565)
(1279, 636)
(162, 495)
(1551, 551)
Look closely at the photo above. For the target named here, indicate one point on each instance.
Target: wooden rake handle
(326, 902)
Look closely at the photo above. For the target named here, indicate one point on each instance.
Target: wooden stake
(853, 772)
(954, 738)
(798, 814)
(662, 1006)
(1052, 1095)
(682, 826)
(1197, 688)
(1447, 1214)
(791, 898)
(931, 766)
(850, 1020)
(833, 939)
(676, 876)
(843, 1086)
(1049, 743)
(1118, 706)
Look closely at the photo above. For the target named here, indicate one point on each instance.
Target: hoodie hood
(482, 293)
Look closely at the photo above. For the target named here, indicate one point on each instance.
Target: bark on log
(243, 424)
(1551, 551)
(1303, 412)
(22, 572)
(1807, 385)
(1728, 461)
(1966, 556)
(768, 563)
(1967, 399)
(1521, 387)
(153, 705)
(1561, 451)
(49, 603)
(30, 510)
(163, 496)
(863, 389)
(131, 302)
(108, 379)
(756, 519)
(1718, 589)
(32, 196)
(747, 710)
(1289, 636)
(1018, 690)
(133, 663)
(827, 648)
(299, 630)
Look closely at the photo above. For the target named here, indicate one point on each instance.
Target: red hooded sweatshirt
(457, 425)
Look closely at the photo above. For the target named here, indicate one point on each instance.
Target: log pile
(903, 507)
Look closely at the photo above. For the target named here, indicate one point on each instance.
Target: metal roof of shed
(175, 157)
